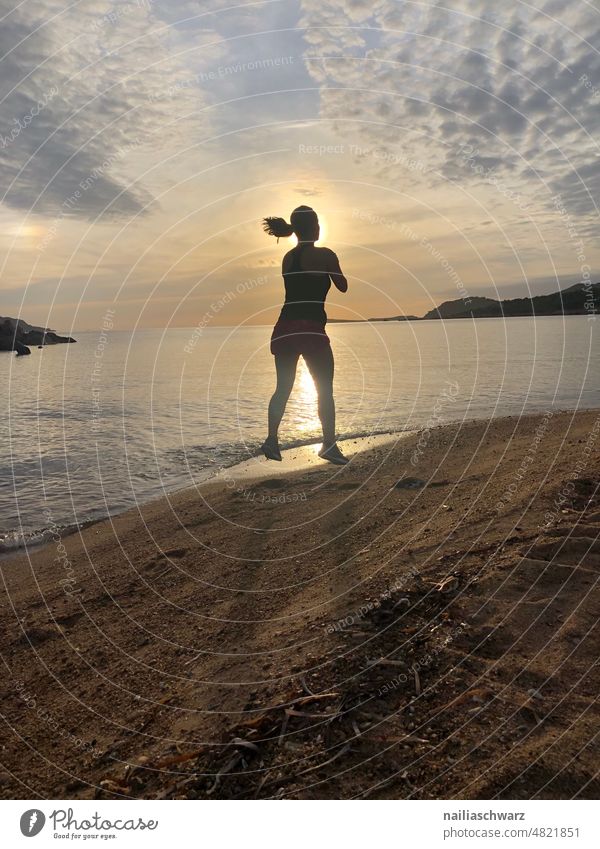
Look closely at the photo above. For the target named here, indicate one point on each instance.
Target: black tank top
(305, 291)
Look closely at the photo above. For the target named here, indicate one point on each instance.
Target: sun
(323, 229)
(21, 230)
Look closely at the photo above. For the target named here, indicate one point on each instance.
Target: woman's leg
(320, 365)
(285, 365)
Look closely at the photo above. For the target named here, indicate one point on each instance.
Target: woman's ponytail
(277, 227)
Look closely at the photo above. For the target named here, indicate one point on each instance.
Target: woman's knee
(281, 394)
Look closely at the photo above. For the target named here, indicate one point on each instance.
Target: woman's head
(303, 222)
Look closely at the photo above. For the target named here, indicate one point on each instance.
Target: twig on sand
(305, 686)
(229, 766)
(384, 661)
(448, 585)
(284, 726)
(178, 759)
(262, 783)
(417, 681)
(279, 783)
(305, 715)
(316, 697)
(239, 743)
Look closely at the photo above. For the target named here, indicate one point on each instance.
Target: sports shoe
(270, 448)
(333, 455)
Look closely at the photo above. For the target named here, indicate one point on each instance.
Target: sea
(119, 418)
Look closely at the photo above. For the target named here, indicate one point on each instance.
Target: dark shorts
(299, 337)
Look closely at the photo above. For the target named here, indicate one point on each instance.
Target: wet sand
(421, 623)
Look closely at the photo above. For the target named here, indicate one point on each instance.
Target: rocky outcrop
(44, 337)
(9, 343)
(17, 335)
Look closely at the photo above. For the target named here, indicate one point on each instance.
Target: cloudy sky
(449, 148)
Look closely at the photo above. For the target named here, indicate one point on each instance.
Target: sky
(448, 147)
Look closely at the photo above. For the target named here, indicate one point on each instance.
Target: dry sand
(307, 631)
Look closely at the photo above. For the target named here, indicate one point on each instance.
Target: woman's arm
(335, 272)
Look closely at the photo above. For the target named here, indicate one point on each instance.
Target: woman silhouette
(300, 329)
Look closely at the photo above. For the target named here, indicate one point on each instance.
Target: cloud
(207, 115)
(308, 192)
(77, 86)
(432, 80)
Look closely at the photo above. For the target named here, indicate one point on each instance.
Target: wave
(242, 451)
(13, 540)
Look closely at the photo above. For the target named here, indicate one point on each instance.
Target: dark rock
(17, 335)
(47, 337)
(410, 483)
(9, 343)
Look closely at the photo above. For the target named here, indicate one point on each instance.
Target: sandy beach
(422, 623)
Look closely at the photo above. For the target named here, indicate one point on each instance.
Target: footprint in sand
(158, 563)
(68, 619)
(417, 483)
(175, 553)
(35, 636)
(273, 483)
(578, 551)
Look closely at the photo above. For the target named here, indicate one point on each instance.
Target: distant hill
(454, 309)
(575, 300)
(385, 318)
(397, 318)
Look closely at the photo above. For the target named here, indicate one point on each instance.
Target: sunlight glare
(306, 395)
(21, 230)
(323, 228)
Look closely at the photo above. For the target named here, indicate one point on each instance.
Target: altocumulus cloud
(76, 86)
(503, 81)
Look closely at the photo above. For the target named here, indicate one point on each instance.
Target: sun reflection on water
(305, 395)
